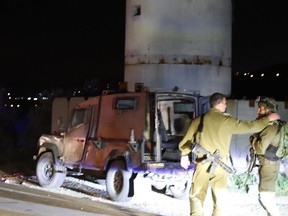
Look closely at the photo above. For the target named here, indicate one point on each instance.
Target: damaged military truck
(123, 136)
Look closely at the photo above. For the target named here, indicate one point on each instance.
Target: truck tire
(46, 174)
(119, 182)
(180, 192)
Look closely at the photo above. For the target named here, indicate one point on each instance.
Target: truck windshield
(78, 118)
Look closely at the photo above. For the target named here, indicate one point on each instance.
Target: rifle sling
(201, 125)
(200, 129)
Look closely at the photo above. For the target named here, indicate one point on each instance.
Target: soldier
(265, 145)
(218, 129)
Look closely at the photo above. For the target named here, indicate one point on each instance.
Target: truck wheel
(180, 191)
(46, 174)
(119, 182)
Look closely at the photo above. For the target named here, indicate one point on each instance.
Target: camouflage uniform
(217, 133)
(265, 145)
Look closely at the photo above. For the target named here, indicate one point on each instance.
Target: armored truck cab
(122, 136)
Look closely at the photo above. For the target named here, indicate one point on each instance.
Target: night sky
(63, 44)
(259, 37)
(44, 44)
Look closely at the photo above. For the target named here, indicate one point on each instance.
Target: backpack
(282, 151)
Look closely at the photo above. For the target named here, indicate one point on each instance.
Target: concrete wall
(179, 43)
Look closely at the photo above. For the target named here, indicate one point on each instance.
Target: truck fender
(119, 155)
(49, 147)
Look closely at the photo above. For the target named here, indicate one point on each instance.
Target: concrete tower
(183, 43)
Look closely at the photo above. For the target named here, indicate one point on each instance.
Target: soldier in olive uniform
(218, 129)
(265, 146)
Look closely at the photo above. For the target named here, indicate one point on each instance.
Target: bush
(238, 183)
(282, 185)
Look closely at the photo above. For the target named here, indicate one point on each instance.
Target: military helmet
(267, 102)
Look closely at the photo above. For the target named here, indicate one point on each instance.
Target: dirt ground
(240, 203)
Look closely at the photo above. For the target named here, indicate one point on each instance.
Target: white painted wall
(184, 43)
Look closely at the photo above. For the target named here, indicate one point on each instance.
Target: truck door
(204, 104)
(75, 138)
(119, 115)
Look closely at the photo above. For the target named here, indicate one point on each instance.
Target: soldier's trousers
(268, 173)
(200, 184)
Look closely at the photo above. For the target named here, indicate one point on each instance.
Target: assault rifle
(252, 164)
(214, 158)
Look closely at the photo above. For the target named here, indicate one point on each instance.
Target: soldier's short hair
(216, 98)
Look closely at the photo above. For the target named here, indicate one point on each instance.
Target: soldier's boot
(267, 201)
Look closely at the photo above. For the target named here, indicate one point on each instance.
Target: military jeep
(123, 136)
